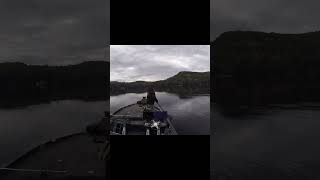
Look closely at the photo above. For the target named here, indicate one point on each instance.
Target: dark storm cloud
(156, 62)
(281, 16)
(53, 31)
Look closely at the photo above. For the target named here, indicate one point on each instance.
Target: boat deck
(74, 156)
(131, 117)
(135, 110)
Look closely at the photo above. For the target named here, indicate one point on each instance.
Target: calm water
(22, 129)
(191, 115)
(277, 144)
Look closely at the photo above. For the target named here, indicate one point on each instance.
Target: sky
(280, 16)
(53, 32)
(130, 63)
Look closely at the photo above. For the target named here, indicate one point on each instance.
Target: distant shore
(261, 69)
(181, 83)
(23, 84)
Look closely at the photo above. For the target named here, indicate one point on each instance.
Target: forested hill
(184, 82)
(256, 68)
(21, 83)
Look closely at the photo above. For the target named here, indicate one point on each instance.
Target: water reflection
(191, 115)
(22, 129)
(276, 144)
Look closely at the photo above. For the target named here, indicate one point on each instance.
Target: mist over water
(191, 114)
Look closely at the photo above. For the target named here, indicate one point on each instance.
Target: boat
(141, 119)
(75, 156)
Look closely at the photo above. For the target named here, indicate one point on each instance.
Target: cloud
(54, 32)
(156, 62)
(282, 16)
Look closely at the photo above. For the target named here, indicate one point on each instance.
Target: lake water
(191, 115)
(24, 128)
(277, 144)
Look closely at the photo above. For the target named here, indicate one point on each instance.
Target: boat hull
(131, 120)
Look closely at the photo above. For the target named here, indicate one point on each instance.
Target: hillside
(183, 82)
(186, 78)
(255, 68)
(24, 84)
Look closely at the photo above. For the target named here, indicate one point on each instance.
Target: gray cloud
(281, 16)
(53, 31)
(156, 62)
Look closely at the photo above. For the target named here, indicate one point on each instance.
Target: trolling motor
(153, 128)
(156, 125)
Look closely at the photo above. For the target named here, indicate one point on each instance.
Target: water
(22, 129)
(277, 144)
(191, 115)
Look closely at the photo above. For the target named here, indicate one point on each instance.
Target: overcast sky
(282, 16)
(156, 62)
(53, 31)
